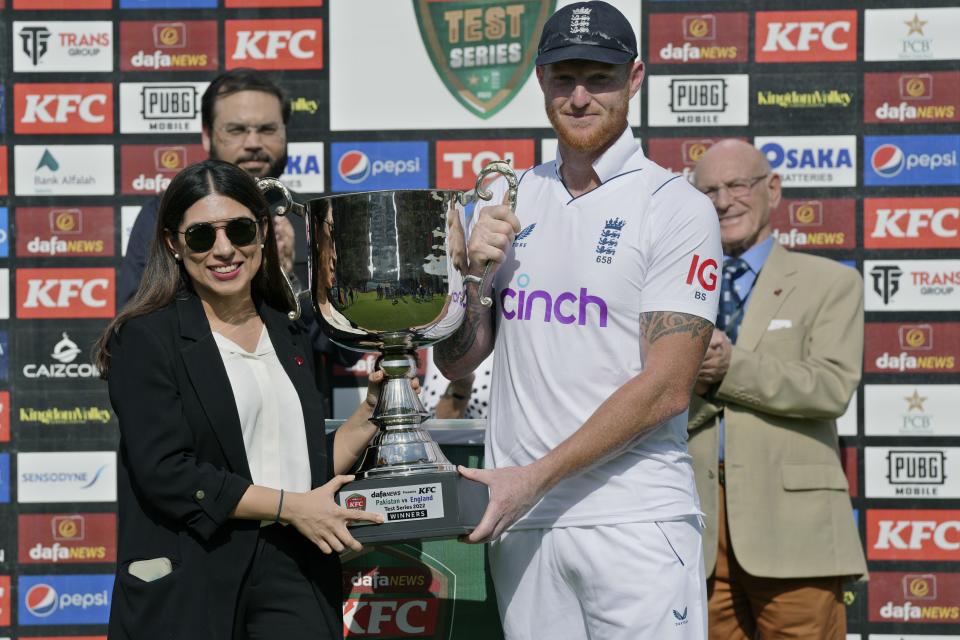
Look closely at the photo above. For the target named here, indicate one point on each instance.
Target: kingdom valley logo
(63, 108)
(815, 224)
(806, 36)
(148, 169)
(483, 51)
(677, 38)
(912, 97)
(911, 223)
(914, 597)
(907, 534)
(64, 232)
(460, 161)
(67, 538)
(274, 44)
(62, 46)
(66, 293)
(184, 45)
(911, 348)
(806, 99)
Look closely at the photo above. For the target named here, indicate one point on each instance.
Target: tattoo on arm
(464, 339)
(657, 324)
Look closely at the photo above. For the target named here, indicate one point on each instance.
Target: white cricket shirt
(569, 298)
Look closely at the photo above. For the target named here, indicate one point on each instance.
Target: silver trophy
(387, 275)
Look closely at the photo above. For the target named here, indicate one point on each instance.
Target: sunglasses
(201, 237)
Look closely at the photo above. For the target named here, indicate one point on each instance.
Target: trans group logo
(64, 599)
(911, 160)
(43, 47)
(364, 166)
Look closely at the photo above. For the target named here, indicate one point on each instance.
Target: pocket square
(779, 324)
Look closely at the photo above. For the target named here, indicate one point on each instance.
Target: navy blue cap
(587, 31)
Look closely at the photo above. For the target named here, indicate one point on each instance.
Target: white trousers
(634, 581)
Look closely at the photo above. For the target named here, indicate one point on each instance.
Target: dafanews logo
(182, 45)
(147, 169)
(906, 534)
(363, 166)
(460, 161)
(66, 293)
(675, 101)
(64, 232)
(168, 4)
(484, 51)
(806, 36)
(58, 600)
(910, 410)
(698, 38)
(915, 97)
(914, 597)
(63, 170)
(274, 44)
(160, 107)
(304, 171)
(815, 224)
(911, 160)
(63, 108)
(912, 285)
(912, 472)
(912, 348)
(76, 476)
(42, 47)
(67, 538)
(678, 155)
(911, 34)
(812, 161)
(911, 223)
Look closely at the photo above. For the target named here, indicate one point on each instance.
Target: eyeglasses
(236, 132)
(736, 188)
(201, 237)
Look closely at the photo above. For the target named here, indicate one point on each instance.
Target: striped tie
(731, 306)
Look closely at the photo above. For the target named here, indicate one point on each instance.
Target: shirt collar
(757, 255)
(614, 160)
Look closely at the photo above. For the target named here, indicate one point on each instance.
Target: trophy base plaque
(420, 506)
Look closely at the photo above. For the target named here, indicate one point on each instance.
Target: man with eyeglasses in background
(782, 365)
(243, 116)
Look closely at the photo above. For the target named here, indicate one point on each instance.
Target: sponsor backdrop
(856, 105)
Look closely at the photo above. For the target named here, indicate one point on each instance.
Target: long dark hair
(165, 279)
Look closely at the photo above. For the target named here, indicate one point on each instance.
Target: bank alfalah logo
(34, 42)
(609, 238)
(886, 281)
(520, 239)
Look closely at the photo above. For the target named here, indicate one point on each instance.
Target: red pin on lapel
(298, 360)
(777, 292)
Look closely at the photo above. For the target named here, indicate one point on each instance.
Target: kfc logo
(63, 108)
(806, 36)
(274, 44)
(460, 161)
(902, 534)
(911, 223)
(65, 293)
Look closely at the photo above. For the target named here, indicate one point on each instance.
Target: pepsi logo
(41, 600)
(354, 167)
(888, 160)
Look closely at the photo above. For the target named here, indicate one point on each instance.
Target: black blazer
(183, 469)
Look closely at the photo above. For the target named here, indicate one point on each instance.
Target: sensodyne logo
(567, 307)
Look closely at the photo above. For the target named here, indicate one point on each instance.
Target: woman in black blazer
(205, 551)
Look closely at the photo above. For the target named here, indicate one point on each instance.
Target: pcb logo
(482, 50)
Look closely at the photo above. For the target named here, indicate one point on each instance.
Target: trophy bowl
(386, 274)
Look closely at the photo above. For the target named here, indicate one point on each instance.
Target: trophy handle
(503, 168)
(289, 206)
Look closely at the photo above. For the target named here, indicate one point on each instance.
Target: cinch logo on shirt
(566, 307)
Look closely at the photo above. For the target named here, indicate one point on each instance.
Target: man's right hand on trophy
(491, 237)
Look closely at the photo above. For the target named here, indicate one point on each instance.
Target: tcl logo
(65, 293)
(274, 44)
(63, 108)
(894, 534)
(911, 223)
(459, 161)
(806, 36)
(705, 272)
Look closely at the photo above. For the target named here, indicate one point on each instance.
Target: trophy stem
(401, 446)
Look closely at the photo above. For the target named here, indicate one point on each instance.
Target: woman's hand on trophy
(492, 235)
(375, 382)
(321, 520)
(513, 492)
(284, 233)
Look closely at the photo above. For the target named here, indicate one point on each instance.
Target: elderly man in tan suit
(781, 367)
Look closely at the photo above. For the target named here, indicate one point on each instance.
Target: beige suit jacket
(794, 368)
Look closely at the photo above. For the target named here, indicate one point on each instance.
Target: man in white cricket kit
(605, 289)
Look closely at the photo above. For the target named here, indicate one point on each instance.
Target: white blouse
(271, 417)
